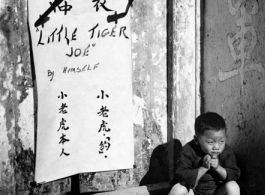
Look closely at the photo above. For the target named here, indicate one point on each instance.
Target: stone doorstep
(154, 189)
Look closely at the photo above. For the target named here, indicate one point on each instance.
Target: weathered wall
(185, 69)
(234, 81)
(18, 104)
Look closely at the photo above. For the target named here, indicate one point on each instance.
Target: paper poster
(82, 60)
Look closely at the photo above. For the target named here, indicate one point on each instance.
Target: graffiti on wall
(242, 43)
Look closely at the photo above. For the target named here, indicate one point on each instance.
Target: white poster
(82, 60)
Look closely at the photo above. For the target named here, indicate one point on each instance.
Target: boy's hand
(207, 161)
(214, 162)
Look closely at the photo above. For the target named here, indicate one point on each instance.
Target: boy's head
(210, 133)
(209, 121)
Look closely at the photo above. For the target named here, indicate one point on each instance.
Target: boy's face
(212, 142)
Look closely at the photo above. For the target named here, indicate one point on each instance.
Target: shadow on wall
(242, 179)
(159, 164)
(250, 160)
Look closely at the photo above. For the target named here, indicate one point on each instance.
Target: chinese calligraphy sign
(83, 73)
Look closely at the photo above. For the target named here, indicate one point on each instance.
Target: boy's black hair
(209, 121)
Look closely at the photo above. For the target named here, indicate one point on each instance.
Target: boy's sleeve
(230, 165)
(186, 174)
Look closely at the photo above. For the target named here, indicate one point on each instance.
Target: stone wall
(234, 80)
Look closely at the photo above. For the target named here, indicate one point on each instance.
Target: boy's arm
(204, 168)
(186, 174)
(201, 172)
(221, 172)
(230, 165)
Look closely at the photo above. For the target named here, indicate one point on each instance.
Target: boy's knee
(178, 189)
(232, 188)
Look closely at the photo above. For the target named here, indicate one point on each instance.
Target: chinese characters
(104, 129)
(99, 3)
(44, 17)
(62, 126)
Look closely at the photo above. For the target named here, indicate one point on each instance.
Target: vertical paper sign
(83, 73)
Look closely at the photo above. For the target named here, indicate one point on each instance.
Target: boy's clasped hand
(209, 162)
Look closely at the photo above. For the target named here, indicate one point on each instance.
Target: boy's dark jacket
(191, 159)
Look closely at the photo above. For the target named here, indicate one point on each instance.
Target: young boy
(207, 165)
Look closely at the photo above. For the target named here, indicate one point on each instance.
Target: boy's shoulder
(190, 143)
(228, 151)
(192, 149)
(189, 146)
